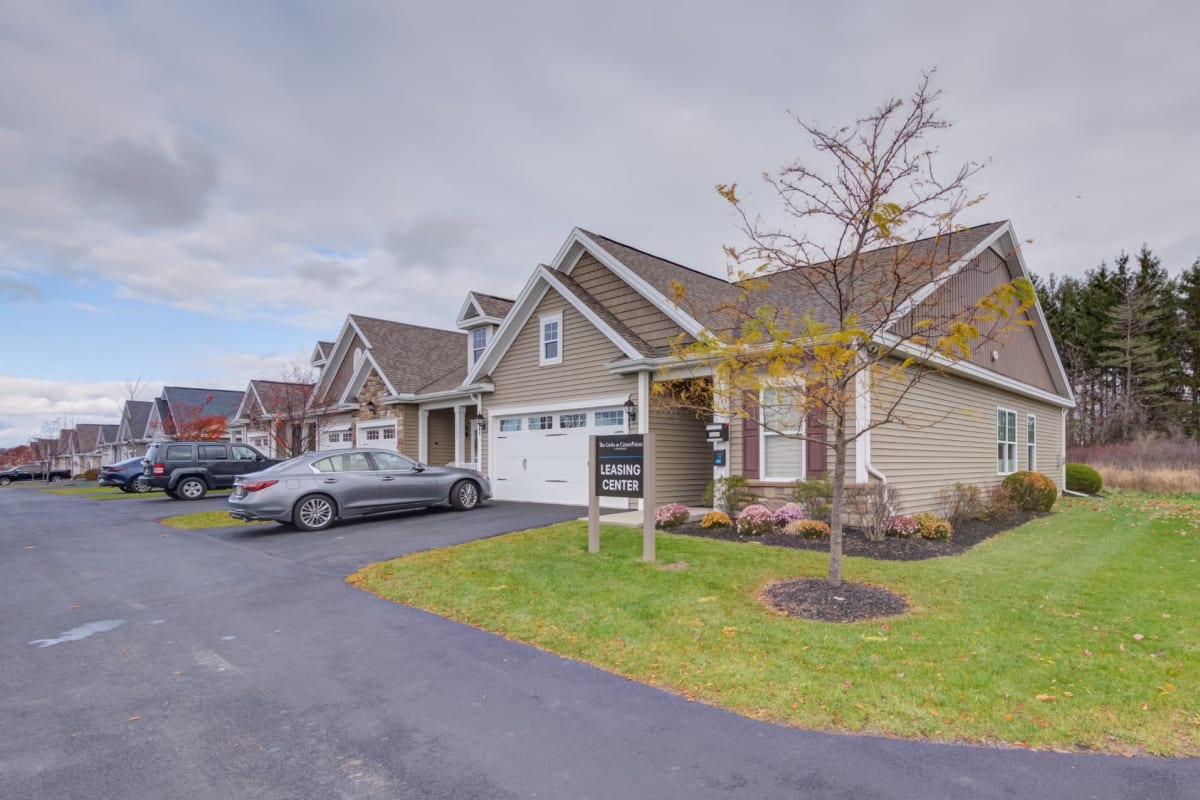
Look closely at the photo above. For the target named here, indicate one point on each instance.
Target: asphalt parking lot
(139, 661)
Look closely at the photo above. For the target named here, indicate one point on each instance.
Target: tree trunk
(839, 493)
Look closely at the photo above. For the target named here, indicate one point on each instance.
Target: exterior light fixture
(631, 410)
(371, 406)
(480, 421)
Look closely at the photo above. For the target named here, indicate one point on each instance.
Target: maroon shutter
(816, 445)
(750, 437)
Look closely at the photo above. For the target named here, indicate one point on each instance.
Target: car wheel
(464, 495)
(313, 513)
(125, 488)
(191, 489)
(5, 481)
(56, 479)
(139, 486)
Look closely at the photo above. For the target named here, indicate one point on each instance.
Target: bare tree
(293, 421)
(827, 306)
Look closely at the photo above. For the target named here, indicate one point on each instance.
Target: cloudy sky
(194, 193)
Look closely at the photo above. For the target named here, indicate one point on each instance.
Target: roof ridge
(406, 324)
(655, 256)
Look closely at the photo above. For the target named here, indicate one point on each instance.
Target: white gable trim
(341, 346)
(359, 377)
(531, 296)
(664, 304)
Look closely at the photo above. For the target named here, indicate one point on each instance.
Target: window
(1006, 441)
(610, 419)
(572, 420)
(179, 452)
(541, 423)
(334, 438)
(372, 434)
(782, 455)
(478, 343)
(510, 425)
(1031, 442)
(551, 352)
(389, 433)
(350, 462)
(347, 436)
(212, 452)
(393, 462)
(244, 454)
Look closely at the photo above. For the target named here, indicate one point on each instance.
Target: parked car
(31, 472)
(125, 475)
(316, 489)
(187, 470)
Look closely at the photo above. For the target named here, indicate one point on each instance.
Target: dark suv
(187, 470)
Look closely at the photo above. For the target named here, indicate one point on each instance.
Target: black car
(187, 470)
(126, 476)
(31, 472)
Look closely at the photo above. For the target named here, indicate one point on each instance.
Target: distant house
(106, 444)
(132, 434)
(181, 412)
(87, 447)
(275, 417)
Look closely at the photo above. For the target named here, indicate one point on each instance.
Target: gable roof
(481, 308)
(135, 417)
(412, 356)
(320, 353)
(107, 433)
(87, 435)
(223, 402)
(271, 397)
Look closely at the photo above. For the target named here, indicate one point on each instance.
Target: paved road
(137, 661)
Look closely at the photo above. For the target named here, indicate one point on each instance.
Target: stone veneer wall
(374, 389)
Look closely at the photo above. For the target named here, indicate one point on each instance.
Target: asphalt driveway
(137, 661)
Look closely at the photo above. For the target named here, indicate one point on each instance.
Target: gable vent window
(551, 339)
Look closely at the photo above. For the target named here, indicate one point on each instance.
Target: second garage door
(542, 456)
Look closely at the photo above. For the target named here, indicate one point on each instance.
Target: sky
(195, 193)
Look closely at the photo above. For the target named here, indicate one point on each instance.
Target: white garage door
(541, 457)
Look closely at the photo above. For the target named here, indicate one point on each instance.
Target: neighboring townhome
(131, 436)
(579, 352)
(87, 455)
(64, 454)
(182, 413)
(401, 387)
(106, 444)
(275, 418)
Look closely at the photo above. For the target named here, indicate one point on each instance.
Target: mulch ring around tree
(815, 599)
(855, 543)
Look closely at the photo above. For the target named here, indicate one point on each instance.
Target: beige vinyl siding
(409, 443)
(735, 448)
(683, 466)
(1019, 354)
(643, 317)
(950, 437)
(583, 373)
(441, 436)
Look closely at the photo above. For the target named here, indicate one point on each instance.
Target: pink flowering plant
(902, 526)
(789, 512)
(755, 520)
(670, 515)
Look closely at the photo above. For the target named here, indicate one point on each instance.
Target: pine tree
(1136, 373)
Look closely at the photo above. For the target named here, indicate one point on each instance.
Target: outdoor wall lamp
(631, 410)
(480, 421)
(371, 406)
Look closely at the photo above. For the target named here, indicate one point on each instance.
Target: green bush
(933, 527)
(1082, 478)
(730, 494)
(1031, 491)
(816, 495)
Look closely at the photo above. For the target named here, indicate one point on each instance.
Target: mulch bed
(854, 543)
(814, 598)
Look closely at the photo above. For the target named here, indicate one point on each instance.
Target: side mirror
(418, 467)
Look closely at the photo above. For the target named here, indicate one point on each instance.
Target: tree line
(1129, 338)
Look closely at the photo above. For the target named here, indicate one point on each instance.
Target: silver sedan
(313, 490)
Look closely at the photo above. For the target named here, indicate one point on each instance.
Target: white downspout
(862, 419)
(643, 420)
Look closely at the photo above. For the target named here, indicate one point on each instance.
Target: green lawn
(1077, 631)
(207, 519)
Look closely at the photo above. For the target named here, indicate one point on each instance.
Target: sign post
(622, 466)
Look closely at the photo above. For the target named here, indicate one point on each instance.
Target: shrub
(902, 526)
(931, 526)
(871, 505)
(670, 515)
(88, 475)
(789, 512)
(815, 495)
(1000, 503)
(808, 528)
(730, 494)
(1031, 491)
(716, 519)
(755, 520)
(1082, 478)
(961, 502)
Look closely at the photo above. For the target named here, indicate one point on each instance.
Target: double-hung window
(1006, 441)
(478, 343)
(551, 326)
(1031, 442)
(782, 423)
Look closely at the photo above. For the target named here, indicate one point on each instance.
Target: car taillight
(160, 469)
(257, 486)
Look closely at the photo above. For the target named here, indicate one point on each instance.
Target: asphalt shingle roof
(281, 396)
(493, 306)
(86, 435)
(137, 416)
(184, 399)
(413, 357)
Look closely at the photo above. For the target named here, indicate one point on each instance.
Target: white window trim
(472, 353)
(763, 433)
(1031, 443)
(557, 316)
(1010, 443)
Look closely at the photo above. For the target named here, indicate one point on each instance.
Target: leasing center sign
(620, 466)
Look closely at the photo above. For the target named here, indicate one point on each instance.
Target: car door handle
(388, 478)
(330, 480)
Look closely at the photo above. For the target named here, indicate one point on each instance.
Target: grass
(1161, 480)
(1078, 631)
(207, 519)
